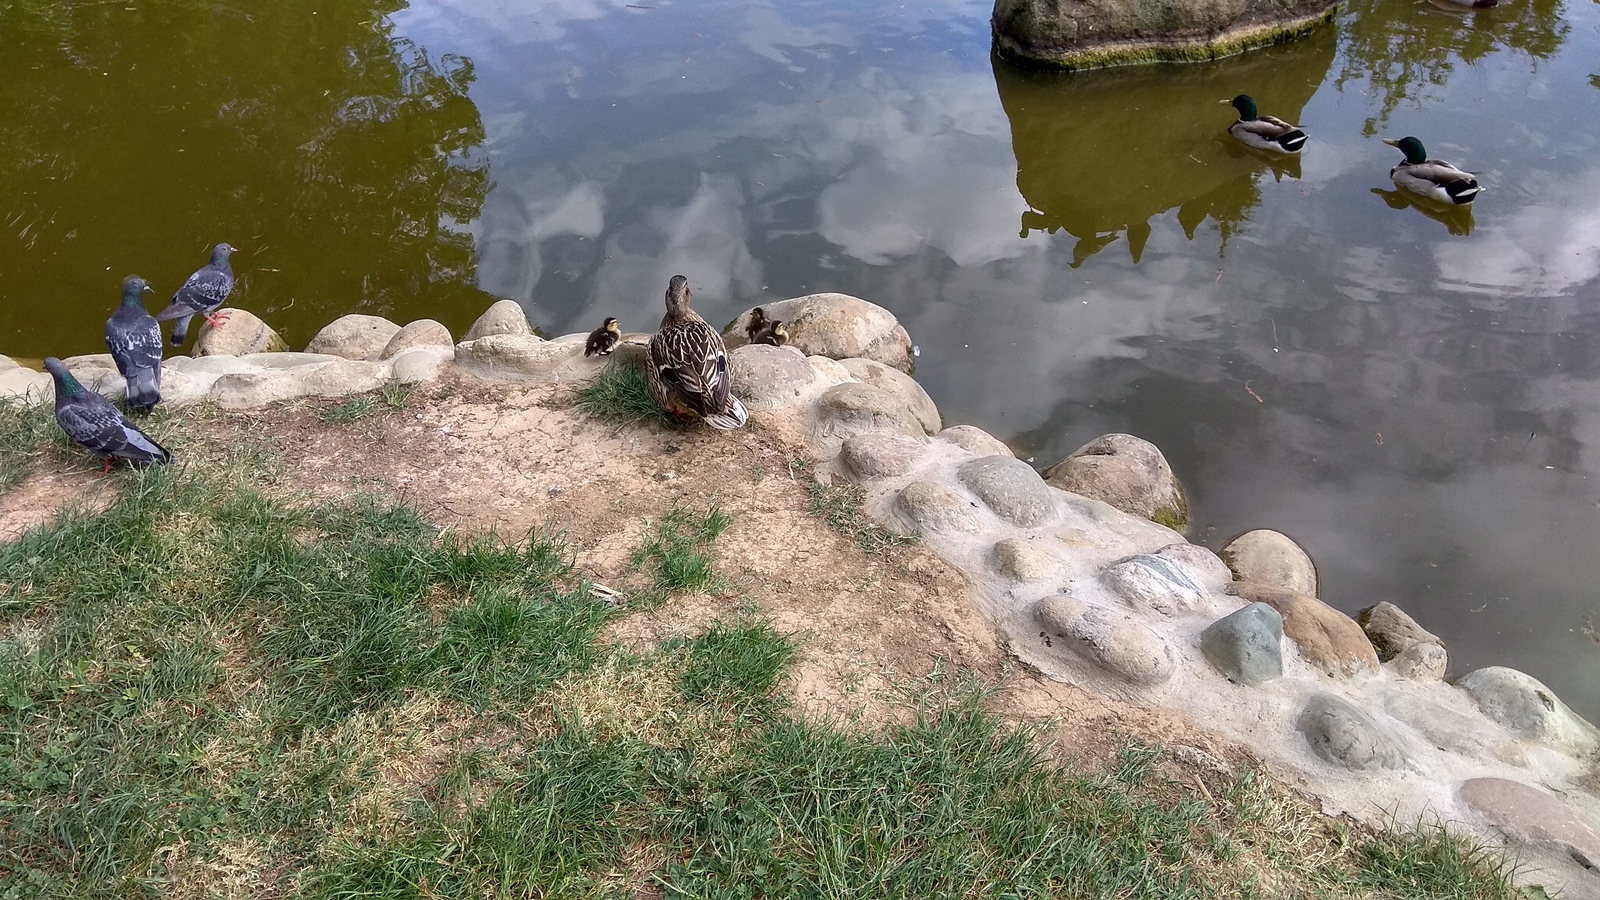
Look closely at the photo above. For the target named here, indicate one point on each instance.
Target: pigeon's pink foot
(107, 467)
(216, 319)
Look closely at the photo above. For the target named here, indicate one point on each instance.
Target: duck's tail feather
(733, 417)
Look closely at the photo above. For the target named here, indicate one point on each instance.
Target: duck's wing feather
(693, 364)
(1440, 172)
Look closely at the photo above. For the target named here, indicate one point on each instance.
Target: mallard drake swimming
(604, 339)
(1434, 179)
(763, 330)
(1268, 133)
(688, 365)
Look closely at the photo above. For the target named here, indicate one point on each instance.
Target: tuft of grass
(733, 663)
(620, 394)
(352, 409)
(1427, 861)
(677, 553)
(840, 505)
(26, 434)
(396, 395)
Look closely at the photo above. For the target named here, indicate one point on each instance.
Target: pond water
(1413, 397)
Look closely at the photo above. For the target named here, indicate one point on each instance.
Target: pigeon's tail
(735, 416)
(140, 449)
(180, 330)
(144, 389)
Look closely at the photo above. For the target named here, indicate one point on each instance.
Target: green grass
(26, 433)
(205, 691)
(840, 505)
(620, 394)
(392, 396)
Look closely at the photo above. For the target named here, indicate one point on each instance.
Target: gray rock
(1127, 472)
(420, 365)
(877, 454)
(26, 386)
(219, 365)
(1091, 33)
(88, 362)
(1530, 816)
(524, 357)
(928, 507)
(1154, 582)
(182, 389)
(413, 335)
(837, 326)
(1202, 565)
(829, 369)
(240, 333)
(1010, 488)
(1345, 736)
(765, 376)
(1529, 710)
(341, 378)
(898, 384)
(853, 408)
(1246, 645)
(975, 440)
(1422, 662)
(1027, 560)
(1268, 557)
(248, 390)
(279, 361)
(504, 317)
(1112, 639)
(1325, 637)
(1391, 631)
(1470, 736)
(7, 362)
(354, 337)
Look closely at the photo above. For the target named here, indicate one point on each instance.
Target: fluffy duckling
(775, 333)
(1268, 133)
(758, 324)
(688, 365)
(1433, 179)
(604, 339)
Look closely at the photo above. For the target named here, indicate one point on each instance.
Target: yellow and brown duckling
(1268, 133)
(1433, 179)
(604, 339)
(688, 365)
(763, 330)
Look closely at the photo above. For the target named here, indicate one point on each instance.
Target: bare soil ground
(476, 456)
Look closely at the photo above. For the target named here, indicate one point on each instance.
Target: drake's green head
(1411, 147)
(1245, 104)
(66, 385)
(133, 290)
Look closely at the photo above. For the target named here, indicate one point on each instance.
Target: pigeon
(604, 339)
(97, 426)
(135, 342)
(203, 292)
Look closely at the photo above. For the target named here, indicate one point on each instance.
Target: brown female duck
(688, 365)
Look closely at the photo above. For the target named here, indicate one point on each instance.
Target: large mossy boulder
(1086, 34)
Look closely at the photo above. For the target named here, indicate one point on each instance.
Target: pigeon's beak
(1391, 142)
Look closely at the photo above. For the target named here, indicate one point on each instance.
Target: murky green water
(1413, 397)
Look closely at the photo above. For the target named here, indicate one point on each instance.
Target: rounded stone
(1531, 816)
(412, 335)
(1127, 472)
(853, 408)
(354, 337)
(877, 454)
(837, 326)
(975, 440)
(1327, 638)
(7, 362)
(240, 333)
(504, 317)
(768, 376)
(1026, 560)
(26, 386)
(1346, 736)
(1010, 488)
(1246, 645)
(1153, 582)
(1272, 558)
(829, 369)
(929, 507)
(340, 378)
(526, 357)
(1112, 639)
(1204, 566)
(248, 390)
(1392, 632)
(420, 365)
(1446, 729)
(898, 384)
(1529, 710)
(1422, 662)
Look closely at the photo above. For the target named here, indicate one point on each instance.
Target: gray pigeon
(135, 342)
(203, 292)
(97, 426)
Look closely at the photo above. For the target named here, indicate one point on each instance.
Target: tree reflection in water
(341, 159)
(1402, 48)
(1101, 153)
